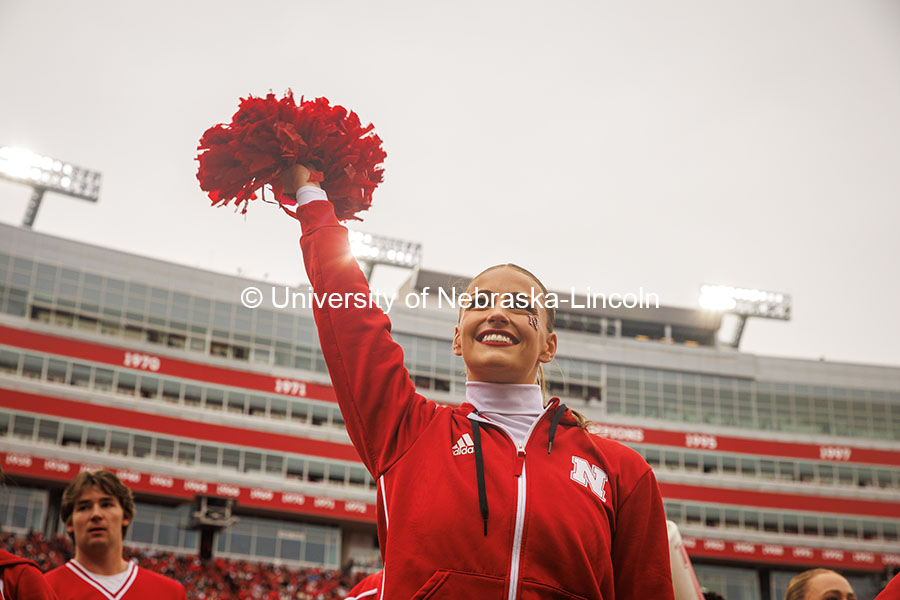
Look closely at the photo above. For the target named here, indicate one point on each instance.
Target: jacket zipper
(520, 499)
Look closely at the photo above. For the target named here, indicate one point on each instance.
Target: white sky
(601, 144)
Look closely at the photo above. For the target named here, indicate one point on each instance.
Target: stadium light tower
(745, 303)
(374, 250)
(43, 173)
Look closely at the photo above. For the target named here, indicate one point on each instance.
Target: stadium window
(142, 445)
(176, 341)
(357, 477)
(218, 349)
(48, 431)
(103, 379)
(889, 531)
(236, 402)
(825, 473)
(295, 468)
(320, 414)
(770, 522)
(729, 465)
(829, 527)
(278, 408)
(337, 474)
(110, 328)
(806, 471)
(786, 470)
(869, 530)
(712, 516)
(767, 469)
(750, 520)
(56, 370)
(864, 476)
(164, 449)
(187, 453)
(790, 524)
(95, 439)
(171, 390)
(692, 514)
(710, 463)
(654, 457)
(274, 464)
(299, 412)
(9, 361)
(119, 442)
(845, 475)
(215, 399)
(231, 459)
(809, 525)
(80, 375)
(849, 528)
(209, 455)
(691, 461)
(748, 467)
(732, 518)
(23, 427)
(72, 435)
(252, 462)
(4, 423)
(149, 387)
(40, 314)
(256, 406)
(315, 471)
(672, 459)
(884, 478)
(261, 355)
(192, 394)
(126, 383)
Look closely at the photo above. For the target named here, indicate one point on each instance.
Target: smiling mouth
(497, 338)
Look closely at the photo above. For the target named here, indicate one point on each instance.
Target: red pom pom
(267, 135)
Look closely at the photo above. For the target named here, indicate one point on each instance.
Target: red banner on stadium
(185, 489)
(783, 554)
(164, 365)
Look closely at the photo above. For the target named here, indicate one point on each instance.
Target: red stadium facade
(156, 371)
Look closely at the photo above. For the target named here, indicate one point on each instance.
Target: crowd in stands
(215, 579)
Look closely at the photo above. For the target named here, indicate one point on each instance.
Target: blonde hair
(797, 587)
(549, 322)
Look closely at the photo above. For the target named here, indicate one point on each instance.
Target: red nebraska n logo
(589, 476)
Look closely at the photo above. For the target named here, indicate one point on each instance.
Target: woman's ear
(549, 350)
(457, 343)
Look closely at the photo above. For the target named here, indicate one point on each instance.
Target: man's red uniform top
(73, 582)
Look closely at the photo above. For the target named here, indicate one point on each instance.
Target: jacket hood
(8, 560)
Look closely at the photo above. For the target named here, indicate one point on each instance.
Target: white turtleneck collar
(515, 406)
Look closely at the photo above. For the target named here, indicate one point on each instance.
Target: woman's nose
(497, 315)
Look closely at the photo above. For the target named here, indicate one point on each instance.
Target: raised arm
(383, 412)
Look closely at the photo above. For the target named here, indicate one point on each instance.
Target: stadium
(222, 420)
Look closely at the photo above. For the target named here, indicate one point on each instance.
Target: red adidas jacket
(576, 519)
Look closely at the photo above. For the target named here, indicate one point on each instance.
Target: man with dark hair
(97, 509)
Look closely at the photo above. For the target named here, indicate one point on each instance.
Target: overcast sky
(603, 145)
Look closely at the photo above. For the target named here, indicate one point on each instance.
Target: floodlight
(745, 303)
(44, 173)
(377, 249)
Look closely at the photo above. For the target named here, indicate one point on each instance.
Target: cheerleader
(506, 496)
